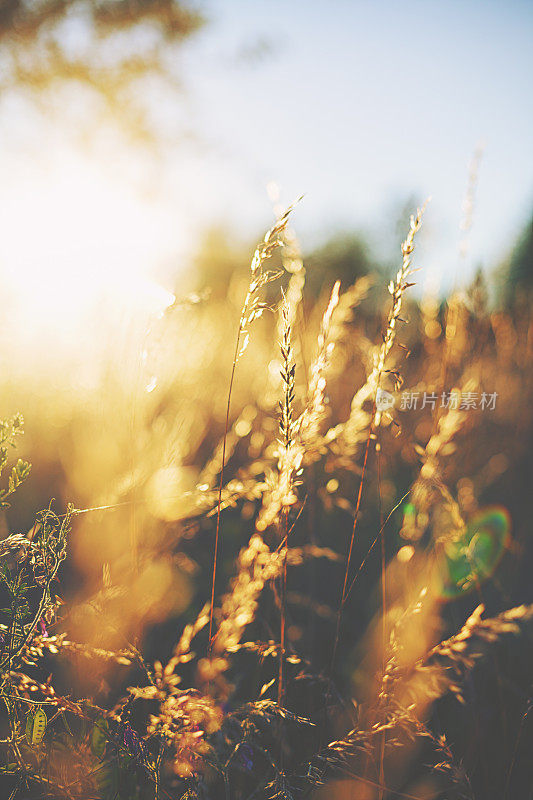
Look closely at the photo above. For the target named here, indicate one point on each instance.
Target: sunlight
(76, 241)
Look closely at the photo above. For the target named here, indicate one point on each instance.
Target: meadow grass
(319, 668)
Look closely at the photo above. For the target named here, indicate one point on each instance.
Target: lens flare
(470, 560)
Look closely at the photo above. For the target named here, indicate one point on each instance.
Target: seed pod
(99, 737)
(36, 726)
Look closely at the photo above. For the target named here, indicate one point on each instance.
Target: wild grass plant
(322, 576)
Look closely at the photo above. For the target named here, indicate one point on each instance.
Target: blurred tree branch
(110, 47)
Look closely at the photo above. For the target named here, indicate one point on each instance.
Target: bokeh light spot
(471, 559)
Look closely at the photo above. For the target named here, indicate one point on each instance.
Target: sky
(360, 106)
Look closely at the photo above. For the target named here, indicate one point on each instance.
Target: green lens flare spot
(473, 558)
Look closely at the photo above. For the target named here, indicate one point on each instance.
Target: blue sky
(362, 104)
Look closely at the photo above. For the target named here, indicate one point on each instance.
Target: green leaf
(99, 738)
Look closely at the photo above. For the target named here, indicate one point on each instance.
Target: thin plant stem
(396, 288)
(221, 484)
(363, 562)
(350, 550)
(251, 310)
(381, 775)
(283, 609)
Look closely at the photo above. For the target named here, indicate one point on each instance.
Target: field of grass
(289, 554)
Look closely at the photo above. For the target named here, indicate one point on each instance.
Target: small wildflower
(132, 742)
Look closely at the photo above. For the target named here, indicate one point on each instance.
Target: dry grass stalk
(291, 257)
(300, 437)
(352, 432)
(282, 495)
(60, 644)
(442, 668)
(343, 313)
(317, 445)
(429, 489)
(316, 404)
(183, 722)
(256, 566)
(293, 264)
(396, 289)
(252, 309)
(308, 443)
(287, 466)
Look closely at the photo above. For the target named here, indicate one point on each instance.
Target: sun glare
(76, 241)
